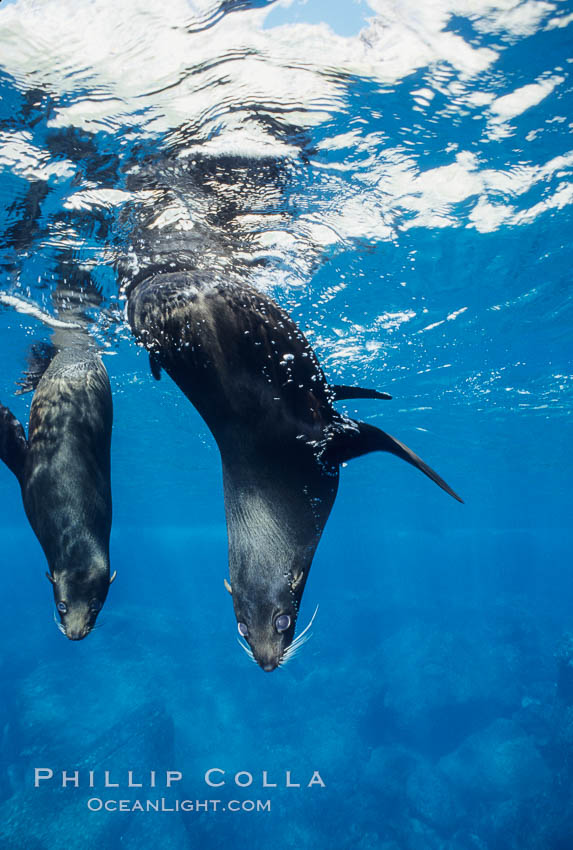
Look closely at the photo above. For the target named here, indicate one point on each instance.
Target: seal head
(79, 595)
(267, 625)
(78, 602)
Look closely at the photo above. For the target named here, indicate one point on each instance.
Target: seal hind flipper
(365, 438)
(155, 365)
(13, 443)
(342, 391)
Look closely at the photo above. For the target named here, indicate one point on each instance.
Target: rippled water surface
(398, 176)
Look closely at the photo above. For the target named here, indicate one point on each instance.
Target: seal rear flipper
(155, 365)
(342, 391)
(13, 443)
(366, 438)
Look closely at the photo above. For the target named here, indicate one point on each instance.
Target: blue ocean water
(398, 176)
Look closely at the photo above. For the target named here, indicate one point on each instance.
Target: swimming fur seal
(64, 473)
(252, 375)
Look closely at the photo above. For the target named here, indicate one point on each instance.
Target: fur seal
(252, 375)
(64, 472)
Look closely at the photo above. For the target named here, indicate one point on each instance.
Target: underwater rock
(371, 841)
(564, 657)
(536, 714)
(551, 818)
(500, 762)
(420, 836)
(465, 840)
(442, 686)
(412, 800)
(148, 831)
(8, 755)
(560, 745)
(385, 776)
(55, 818)
(433, 799)
(522, 825)
(387, 773)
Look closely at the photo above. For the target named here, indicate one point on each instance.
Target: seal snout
(76, 631)
(267, 658)
(77, 635)
(76, 624)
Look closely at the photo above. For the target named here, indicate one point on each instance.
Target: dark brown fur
(64, 472)
(253, 377)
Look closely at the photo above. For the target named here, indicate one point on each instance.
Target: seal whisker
(294, 646)
(58, 624)
(293, 650)
(288, 656)
(247, 649)
(300, 643)
(299, 637)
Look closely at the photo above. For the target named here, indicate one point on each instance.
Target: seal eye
(282, 622)
(62, 607)
(95, 605)
(243, 630)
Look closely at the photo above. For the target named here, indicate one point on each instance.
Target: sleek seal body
(252, 375)
(64, 473)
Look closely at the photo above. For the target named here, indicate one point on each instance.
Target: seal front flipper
(40, 356)
(341, 391)
(13, 443)
(364, 438)
(155, 365)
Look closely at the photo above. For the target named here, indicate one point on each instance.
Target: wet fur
(64, 473)
(251, 374)
(224, 347)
